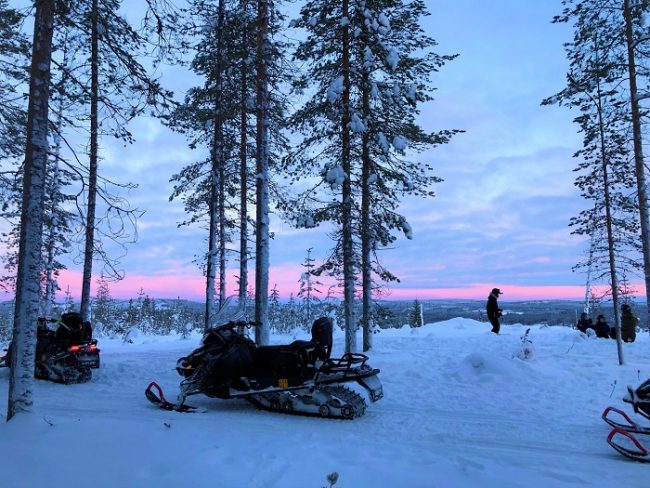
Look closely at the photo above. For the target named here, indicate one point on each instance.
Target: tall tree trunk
(366, 238)
(21, 376)
(592, 245)
(243, 177)
(215, 177)
(222, 227)
(611, 242)
(50, 281)
(262, 333)
(638, 153)
(92, 166)
(211, 261)
(346, 196)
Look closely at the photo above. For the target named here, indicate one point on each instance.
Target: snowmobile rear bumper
(641, 406)
(373, 386)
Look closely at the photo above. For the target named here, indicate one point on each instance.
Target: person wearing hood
(493, 310)
(628, 324)
(584, 323)
(601, 327)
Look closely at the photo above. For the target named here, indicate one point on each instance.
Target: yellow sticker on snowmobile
(283, 383)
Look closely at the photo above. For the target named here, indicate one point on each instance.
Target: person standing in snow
(493, 310)
(628, 324)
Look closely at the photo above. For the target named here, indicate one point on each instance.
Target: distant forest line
(164, 316)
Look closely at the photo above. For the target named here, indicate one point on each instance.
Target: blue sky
(500, 218)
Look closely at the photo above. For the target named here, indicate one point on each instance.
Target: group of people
(603, 329)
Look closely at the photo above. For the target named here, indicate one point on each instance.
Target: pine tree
(415, 316)
(21, 378)
(308, 289)
(636, 38)
(262, 117)
(14, 56)
(103, 310)
(117, 85)
(368, 65)
(69, 304)
(599, 56)
(211, 115)
(275, 308)
(14, 71)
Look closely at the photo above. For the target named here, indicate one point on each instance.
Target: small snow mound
(486, 366)
(132, 336)
(526, 352)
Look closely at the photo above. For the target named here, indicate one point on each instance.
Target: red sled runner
(622, 437)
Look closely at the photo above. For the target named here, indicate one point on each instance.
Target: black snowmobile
(65, 355)
(639, 398)
(296, 378)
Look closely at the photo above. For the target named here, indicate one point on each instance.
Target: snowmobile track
(353, 404)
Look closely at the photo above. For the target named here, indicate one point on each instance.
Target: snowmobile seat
(319, 347)
(321, 337)
(279, 361)
(72, 329)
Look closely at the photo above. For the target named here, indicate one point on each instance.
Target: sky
(462, 407)
(499, 219)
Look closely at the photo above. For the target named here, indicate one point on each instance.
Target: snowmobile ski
(629, 425)
(635, 451)
(160, 400)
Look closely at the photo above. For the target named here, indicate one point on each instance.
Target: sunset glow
(192, 287)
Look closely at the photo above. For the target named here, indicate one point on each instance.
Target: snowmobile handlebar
(237, 323)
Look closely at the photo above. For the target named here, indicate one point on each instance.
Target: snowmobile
(634, 449)
(296, 378)
(65, 355)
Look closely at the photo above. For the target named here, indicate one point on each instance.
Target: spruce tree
(369, 65)
(14, 57)
(415, 316)
(601, 58)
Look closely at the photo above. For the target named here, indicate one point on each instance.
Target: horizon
(193, 289)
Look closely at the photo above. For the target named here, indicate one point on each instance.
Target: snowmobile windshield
(230, 311)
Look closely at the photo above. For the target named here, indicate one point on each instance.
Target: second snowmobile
(64, 355)
(296, 378)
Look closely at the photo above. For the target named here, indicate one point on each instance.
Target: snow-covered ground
(460, 410)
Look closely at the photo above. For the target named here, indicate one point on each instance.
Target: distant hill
(551, 312)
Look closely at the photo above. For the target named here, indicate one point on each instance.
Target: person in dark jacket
(601, 327)
(584, 323)
(628, 324)
(493, 310)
